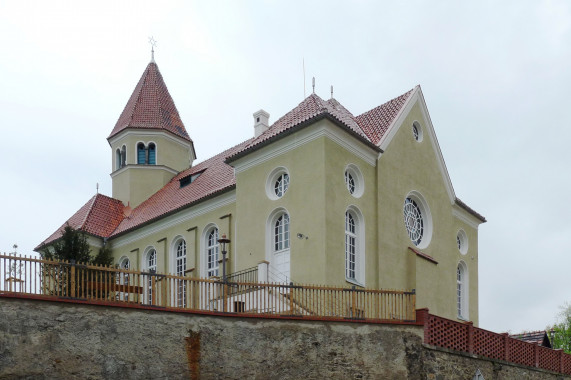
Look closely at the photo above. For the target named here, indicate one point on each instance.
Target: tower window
(152, 154)
(141, 154)
(146, 155)
(123, 156)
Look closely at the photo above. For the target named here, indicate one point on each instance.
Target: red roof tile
(151, 107)
(377, 121)
(536, 337)
(309, 108)
(216, 176)
(99, 216)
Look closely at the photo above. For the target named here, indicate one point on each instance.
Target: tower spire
(153, 43)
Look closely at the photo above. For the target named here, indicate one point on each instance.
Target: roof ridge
(90, 210)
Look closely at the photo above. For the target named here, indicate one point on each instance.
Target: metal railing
(55, 279)
(246, 275)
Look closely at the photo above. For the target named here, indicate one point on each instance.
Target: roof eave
(470, 210)
(300, 126)
(174, 211)
(130, 128)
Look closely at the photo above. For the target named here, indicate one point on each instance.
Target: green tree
(73, 245)
(560, 332)
(74, 248)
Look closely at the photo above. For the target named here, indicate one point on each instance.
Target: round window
(417, 220)
(354, 180)
(462, 242)
(417, 131)
(277, 183)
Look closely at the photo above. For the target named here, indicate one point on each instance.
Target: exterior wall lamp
(223, 240)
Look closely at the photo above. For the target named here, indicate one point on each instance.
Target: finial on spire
(313, 84)
(97, 187)
(153, 43)
(331, 91)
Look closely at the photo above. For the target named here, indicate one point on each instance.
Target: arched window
(152, 154)
(350, 246)
(123, 278)
(118, 159)
(180, 267)
(281, 233)
(151, 267)
(123, 156)
(354, 246)
(417, 219)
(141, 154)
(278, 248)
(462, 290)
(212, 250)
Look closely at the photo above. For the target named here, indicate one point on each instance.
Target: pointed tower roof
(151, 107)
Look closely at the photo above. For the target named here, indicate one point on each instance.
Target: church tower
(149, 143)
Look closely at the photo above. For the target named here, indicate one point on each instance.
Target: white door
(281, 263)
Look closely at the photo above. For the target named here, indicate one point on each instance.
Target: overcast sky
(495, 76)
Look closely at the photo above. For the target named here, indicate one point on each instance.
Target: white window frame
(208, 249)
(425, 214)
(271, 242)
(149, 267)
(462, 283)
(417, 131)
(273, 178)
(462, 241)
(124, 263)
(354, 172)
(178, 268)
(359, 247)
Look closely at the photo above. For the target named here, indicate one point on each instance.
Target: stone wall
(44, 340)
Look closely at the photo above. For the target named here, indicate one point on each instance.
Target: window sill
(354, 282)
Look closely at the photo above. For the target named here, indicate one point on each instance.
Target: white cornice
(415, 97)
(321, 128)
(140, 167)
(176, 219)
(143, 133)
(465, 216)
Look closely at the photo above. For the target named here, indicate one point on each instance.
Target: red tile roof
(309, 108)
(216, 177)
(151, 107)
(100, 216)
(536, 337)
(376, 122)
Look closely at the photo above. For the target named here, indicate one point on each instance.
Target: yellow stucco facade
(319, 201)
(315, 159)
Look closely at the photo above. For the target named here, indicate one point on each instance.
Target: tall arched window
(152, 154)
(151, 266)
(118, 159)
(280, 258)
(180, 267)
(350, 246)
(123, 278)
(212, 266)
(462, 290)
(123, 156)
(141, 154)
(281, 233)
(354, 246)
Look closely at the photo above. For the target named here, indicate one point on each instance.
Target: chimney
(261, 122)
